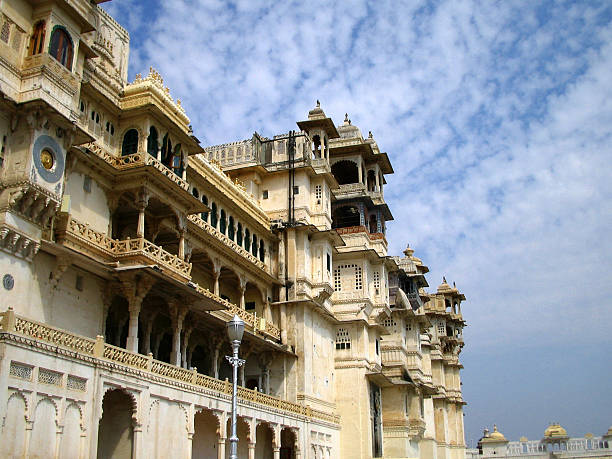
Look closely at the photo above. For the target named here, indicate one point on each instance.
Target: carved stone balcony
(38, 335)
(360, 237)
(226, 241)
(82, 238)
(135, 161)
(42, 77)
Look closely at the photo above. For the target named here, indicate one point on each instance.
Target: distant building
(555, 443)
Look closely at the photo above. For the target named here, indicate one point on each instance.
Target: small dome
(523, 439)
(316, 113)
(608, 433)
(444, 287)
(494, 437)
(497, 435)
(555, 431)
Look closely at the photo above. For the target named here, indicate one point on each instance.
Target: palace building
(554, 444)
(127, 246)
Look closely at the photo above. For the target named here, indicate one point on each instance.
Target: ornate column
(221, 439)
(251, 450)
(177, 313)
(283, 323)
(186, 336)
(216, 274)
(142, 202)
(136, 448)
(134, 288)
(242, 288)
(147, 333)
(182, 229)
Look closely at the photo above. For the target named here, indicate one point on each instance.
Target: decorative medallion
(48, 158)
(8, 282)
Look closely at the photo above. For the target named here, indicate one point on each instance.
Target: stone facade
(127, 246)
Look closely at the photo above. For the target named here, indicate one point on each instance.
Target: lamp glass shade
(235, 329)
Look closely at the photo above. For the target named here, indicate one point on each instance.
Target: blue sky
(497, 117)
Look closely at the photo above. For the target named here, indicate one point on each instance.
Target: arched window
(177, 161)
(223, 222)
(247, 240)
(130, 142)
(316, 146)
(38, 38)
(262, 251)
(254, 246)
(213, 215)
(166, 152)
(61, 47)
(152, 142)
(345, 172)
(373, 224)
(231, 230)
(239, 234)
(371, 180)
(345, 217)
(204, 215)
(195, 193)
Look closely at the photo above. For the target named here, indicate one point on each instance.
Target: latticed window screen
(5, 31)
(318, 193)
(389, 323)
(348, 277)
(441, 329)
(76, 383)
(18, 370)
(337, 283)
(343, 339)
(377, 281)
(358, 278)
(49, 377)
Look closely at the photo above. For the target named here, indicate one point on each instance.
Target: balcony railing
(136, 160)
(361, 229)
(227, 241)
(125, 250)
(87, 348)
(257, 323)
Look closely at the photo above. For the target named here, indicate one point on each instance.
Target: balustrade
(135, 160)
(12, 323)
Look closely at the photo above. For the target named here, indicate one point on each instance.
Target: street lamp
(235, 329)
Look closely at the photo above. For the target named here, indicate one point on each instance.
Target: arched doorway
(345, 217)
(242, 430)
(205, 442)
(264, 439)
(115, 432)
(288, 443)
(345, 172)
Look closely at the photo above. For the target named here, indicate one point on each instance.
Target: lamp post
(235, 329)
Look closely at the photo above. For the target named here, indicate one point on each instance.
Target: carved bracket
(18, 244)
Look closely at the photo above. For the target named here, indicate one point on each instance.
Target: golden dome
(555, 431)
(493, 437)
(523, 439)
(497, 435)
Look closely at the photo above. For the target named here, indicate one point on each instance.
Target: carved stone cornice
(30, 201)
(17, 243)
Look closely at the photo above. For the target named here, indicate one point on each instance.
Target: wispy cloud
(496, 116)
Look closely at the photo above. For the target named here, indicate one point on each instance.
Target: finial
(444, 279)
(346, 120)
(349, 122)
(494, 427)
(454, 285)
(370, 134)
(318, 104)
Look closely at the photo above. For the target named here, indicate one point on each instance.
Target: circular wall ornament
(8, 282)
(48, 158)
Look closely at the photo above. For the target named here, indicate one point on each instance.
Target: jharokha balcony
(140, 253)
(17, 329)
